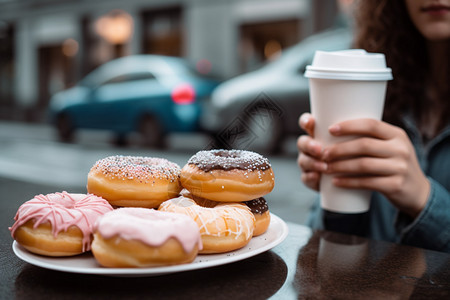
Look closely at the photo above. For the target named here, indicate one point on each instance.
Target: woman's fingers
(379, 157)
(306, 122)
(383, 184)
(310, 152)
(308, 163)
(357, 147)
(365, 127)
(311, 180)
(367, 165)
(309, 146)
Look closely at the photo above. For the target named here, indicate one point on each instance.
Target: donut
(142, 237)
(223, 228)
(260, 210)
(200, 201)
(228, 175)
(59, 224)
(134, 181)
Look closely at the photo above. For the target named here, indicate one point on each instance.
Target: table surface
(308, 264)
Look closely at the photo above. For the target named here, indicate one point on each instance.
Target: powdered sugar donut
(58, 224)
(223, 227)
(228, 175)
(134, 180)
(141, 237)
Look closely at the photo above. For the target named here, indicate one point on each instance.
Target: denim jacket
(431, 228)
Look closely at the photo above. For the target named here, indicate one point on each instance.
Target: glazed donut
(228, 175)
(59, 224)
(134, 181)
(223, 228)
(141, 237)
(260, 210)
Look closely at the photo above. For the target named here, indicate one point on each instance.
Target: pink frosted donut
(59, 224)
(142, 237)
(134, 181)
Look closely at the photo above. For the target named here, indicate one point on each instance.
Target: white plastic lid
(355, 64)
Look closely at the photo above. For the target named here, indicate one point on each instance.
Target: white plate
(86, 263)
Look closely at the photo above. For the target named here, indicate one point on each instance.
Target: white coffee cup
(345, 85)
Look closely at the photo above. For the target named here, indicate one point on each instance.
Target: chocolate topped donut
(257, 206)
(228, 160)
(260, 210)
(227, 175)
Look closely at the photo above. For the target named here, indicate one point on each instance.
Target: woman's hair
(384, 26)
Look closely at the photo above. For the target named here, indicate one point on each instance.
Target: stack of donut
(143, 211)
(225, 190)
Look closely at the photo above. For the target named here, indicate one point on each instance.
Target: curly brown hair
(384, 26)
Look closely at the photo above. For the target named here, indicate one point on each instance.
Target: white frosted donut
(142, 237)
(134, 181)
(59, 224)
(224, 227)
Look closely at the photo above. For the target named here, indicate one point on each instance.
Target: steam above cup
(345, 85)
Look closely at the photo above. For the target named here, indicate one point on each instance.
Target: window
(130, 77)
(264, 41)
(56, 72)
(162, 32)
(6, 64)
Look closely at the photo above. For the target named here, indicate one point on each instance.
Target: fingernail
(325, 154)
(316, 147)
(321, 166)
(334, 129)
(304, 121)
(337, 180)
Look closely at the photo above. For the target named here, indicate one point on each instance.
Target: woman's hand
(310, 151)
(382, 159)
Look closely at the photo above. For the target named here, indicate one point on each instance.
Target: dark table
(307, 265)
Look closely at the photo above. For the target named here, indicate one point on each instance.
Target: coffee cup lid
(354, 64)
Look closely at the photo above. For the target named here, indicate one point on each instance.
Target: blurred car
(257, 110)
(150, 94)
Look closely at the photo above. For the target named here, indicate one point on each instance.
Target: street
(32, 161)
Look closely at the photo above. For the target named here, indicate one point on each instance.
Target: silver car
(257, 110)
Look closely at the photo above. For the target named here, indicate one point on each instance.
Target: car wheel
(151, 132)
(66, 130)
(258, 130)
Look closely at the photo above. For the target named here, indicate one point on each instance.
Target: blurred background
(147, 71)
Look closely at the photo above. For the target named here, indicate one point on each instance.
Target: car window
(129, 77)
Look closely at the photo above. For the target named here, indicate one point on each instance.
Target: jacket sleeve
(431, 228)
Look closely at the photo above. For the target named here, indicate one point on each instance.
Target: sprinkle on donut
(260, 210)
(134, 181)
(228, 160)
(228, 175)
(142, 169)
(257, 206)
